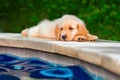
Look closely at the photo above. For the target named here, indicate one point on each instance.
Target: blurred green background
(102, 17)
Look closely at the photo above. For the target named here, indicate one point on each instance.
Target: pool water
(19, 68)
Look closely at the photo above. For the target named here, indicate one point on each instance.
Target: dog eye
(61, 28)
(70, 28)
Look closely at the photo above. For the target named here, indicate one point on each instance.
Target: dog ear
(82, 30)
(57, 32)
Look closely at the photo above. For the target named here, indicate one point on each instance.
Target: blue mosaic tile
(40, 69)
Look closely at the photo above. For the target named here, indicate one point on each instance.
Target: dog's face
(67, 30)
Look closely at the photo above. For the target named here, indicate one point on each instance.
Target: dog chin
(66, 39)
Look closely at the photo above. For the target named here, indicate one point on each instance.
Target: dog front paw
(80, 38)
(92, 38)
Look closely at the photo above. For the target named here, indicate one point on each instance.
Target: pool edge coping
(71, 49)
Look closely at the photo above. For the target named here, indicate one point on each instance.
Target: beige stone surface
(102, 53)
(112, 62)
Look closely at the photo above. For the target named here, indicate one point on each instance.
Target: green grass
(102, 17)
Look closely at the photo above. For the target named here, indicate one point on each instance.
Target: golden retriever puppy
(66, 28)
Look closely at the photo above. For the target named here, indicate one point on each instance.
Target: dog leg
(24, 32)
(91, 37)
(80, 38)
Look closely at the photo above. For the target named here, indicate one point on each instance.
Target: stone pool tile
(38, 44)
(16, 40)
(11, 41)
(65, 50)
(90, 56)
(112, 62)
(78, 50)
(89, 44)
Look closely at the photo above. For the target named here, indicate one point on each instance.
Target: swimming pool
(19, 68)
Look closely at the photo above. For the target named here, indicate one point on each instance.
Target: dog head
(69, 28)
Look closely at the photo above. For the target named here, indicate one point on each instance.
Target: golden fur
(66, 28)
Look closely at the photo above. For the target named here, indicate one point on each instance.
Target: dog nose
(64, 37)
